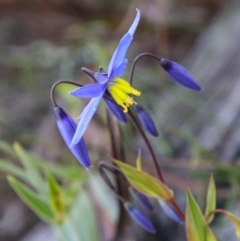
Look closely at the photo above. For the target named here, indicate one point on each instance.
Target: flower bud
(179, 74)
(67, 128)
(146, 120)
(139, 218)
(169, 211)
(141, 198)
(116, 110)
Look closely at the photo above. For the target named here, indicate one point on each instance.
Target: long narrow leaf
(56, 198)
(73, 171)
(139, 161)
(80, 224)
(7, 149)
(67, 231)
(235, 220)
(39, 206)
(145, 183)
(211, 201)
(10, 168)
(32, 173)
(196, 226)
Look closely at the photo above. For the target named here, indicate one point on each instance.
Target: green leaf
(235, 220)
(56, 198)
(67, 231)
(139, 161)
(145, 183)
(69, 171)
(7, 149)
(196, 226)
(80, 223)
(211, 201)
(7, 167)
(70, 194)
(39, 206)
(84, 213)
(32, 173)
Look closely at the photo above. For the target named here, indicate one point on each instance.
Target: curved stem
(137, 59)
(138, 126)
(58, 83)
(118, 153)
(113, 169)
(158, 169)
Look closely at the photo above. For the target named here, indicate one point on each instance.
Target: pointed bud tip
(88, 72)
(89, 167)
(169, 211)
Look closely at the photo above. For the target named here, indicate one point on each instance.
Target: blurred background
(43, 41)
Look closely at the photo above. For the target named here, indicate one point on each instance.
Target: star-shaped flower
(109, 86)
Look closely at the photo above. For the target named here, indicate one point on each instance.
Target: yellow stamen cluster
(120, 90)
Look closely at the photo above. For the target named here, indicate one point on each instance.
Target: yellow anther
(118, 95)
(136, 92)
(121, 81)
(125, 109)
(128, 101)
(125, 87)
(119, 89)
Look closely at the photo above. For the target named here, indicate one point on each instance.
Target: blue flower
(67, 128)
(109, 86)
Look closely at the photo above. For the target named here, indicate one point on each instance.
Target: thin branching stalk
(137, 59)
(118, 153)
(154, 158)
(52, 91)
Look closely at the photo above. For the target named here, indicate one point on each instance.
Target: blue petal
(123, 45)
(135, 23)
(169, 211)
(141, 198)
(179, 74)
(67, 128)
(100, 77)
(146, 120)
(116, 110)
(85, 118)
(139, 218)
(120, 69)
(89, 91)
(119, 53)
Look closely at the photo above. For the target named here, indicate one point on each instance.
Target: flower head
(108, 84)
(67, 128)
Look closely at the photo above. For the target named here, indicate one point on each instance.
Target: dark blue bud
(141, 198)
(116, 110)
(169, 211)
(146, 120)
(179, 74)
(139, 218)
(67, 128)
